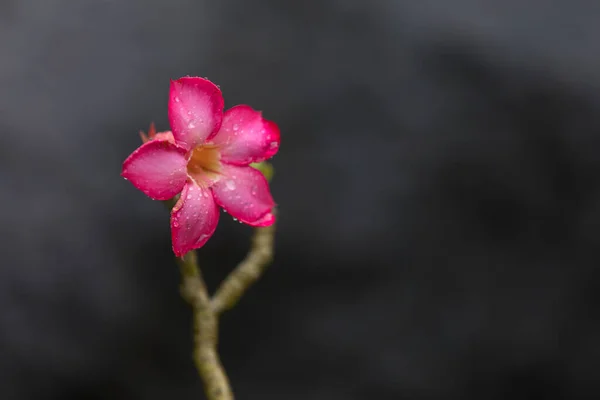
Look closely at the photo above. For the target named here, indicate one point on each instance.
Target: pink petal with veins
(195, 110)
(244, 193)
(246, 137)
(157, 168)
(193, 219)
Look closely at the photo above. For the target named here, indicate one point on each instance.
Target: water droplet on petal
(189, 196)
(176, 99)
(274, 144)
(202, 237)
(191, 125)
(230, 184)
(236, 127)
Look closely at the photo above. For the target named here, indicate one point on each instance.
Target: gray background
(437, 182)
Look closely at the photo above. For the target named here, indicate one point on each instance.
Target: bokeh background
(437, 183)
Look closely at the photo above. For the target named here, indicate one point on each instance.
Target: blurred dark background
(437, 182)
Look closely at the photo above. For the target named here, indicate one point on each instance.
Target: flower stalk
(247, 272)
(206, 309)
(206, 330)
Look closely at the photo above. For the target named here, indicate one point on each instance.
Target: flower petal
(246, 137)
(195, 110)
(157, 168)
(193, 219)
(267, 220)
(244, 193)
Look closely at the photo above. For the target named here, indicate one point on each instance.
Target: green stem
(206, 310)
(206, 326)
(247, 272)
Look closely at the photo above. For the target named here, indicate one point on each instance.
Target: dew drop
(274, 144)
(230, 184)
(189, 196)
(236, 127)
(191, 125)
(202, 237)
(176, 99)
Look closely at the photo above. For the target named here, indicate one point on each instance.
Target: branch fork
(207, 309)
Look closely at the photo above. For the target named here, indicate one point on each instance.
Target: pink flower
(206, 158)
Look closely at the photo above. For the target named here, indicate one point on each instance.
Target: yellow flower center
(204, 165)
